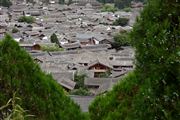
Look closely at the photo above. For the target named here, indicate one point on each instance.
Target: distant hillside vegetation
(152, 91)
(39, 93)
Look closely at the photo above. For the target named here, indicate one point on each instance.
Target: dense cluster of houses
(76, 26)
(83, 31)
(102, 68)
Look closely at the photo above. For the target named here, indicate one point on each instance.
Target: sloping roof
(85, 57)
(83, 101)
(84, 36)
(62, 75)
(118, 74)
(65, 79)
(89, 35)
(18, 8)
(27, 45)
(69, 84)
(122, 62)
(105, 84)
(99, 81)
(99, 62)
(104, 88)
(34, 12)
(98, 46)
(71, 45)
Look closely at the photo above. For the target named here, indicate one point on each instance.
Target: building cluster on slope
(76, 26)
(103, 68)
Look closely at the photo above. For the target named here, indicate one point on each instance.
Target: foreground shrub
(40, 94)
(152, 91)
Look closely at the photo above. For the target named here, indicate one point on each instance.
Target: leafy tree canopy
(54, 39)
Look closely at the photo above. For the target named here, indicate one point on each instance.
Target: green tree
(5, 3)
(61, 1)
(80, 88)
(122, 3)
(54, 39)
(109, 8)
(121, 21)
(152, 91)
(79, 79)
(121, 39)
(15, 30)
(40, 94)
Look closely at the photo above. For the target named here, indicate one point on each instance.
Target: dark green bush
(109, 8)
(5, 3)
(152, 91)
(116, 104)
(40, 94)
(54, 38)
(80, 91)
(61, 1)
(121, 22)
(15, 30)
(80, 88)
(121, 39)
(79, 79)
(127, 9)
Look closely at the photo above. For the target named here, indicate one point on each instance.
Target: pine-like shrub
(40, 94)
(152, 91)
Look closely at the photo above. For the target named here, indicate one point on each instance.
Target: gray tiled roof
(104, 84)
(98, 46)
(65, 79)
(71, 45)
(83, 101)
(99, 81)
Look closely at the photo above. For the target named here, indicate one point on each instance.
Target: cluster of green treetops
(5, 3)
(152, 91)
(40, 94)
